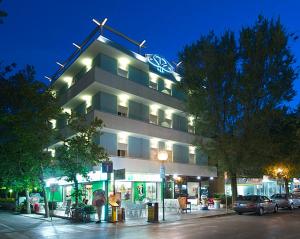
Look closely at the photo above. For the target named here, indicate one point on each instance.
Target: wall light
(87, 99)
(154, 143)
(168, 84)
(123, 137)
(87, 62)
(169, 113)
(123, 63)
(67, 110)
(153, 77)
(123, 100)
(154, 109)
(68, 80)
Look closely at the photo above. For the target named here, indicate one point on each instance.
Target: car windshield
(248, 198)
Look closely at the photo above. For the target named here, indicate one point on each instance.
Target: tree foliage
(235, 87)
(79, 153)
(26, 106)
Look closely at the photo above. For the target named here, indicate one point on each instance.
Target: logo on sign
(161, 64)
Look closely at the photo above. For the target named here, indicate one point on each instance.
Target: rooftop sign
(160, 63)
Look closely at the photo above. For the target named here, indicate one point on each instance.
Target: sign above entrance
(160, 63)
(119, 174)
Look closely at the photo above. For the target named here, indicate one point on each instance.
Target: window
(192, 159)
(167, 123)
(191, 129)
(153, 119)
(122, 111)
(123, 72)
(122, 150)
(122, 153)
(153, 85)
(153, 154)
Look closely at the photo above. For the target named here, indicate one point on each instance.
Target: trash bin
(152, 212)
(112, 213)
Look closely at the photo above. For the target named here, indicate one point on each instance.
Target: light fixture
(168, 84)
(67, 110)
(74, 44)
(162, 155)
(48, 78)
(68, 80)
(123, 137)
(142, 43)
(192, 149)
(211, 178)
(123, 63)
(169, 113)
(153, 77)
(198, 177)
(53, 123)
(191, 120)
(154, 143)
(154, 109)
(58, 63)
(123, 100)
(87, 62)
(169, 145)
(87, 99)
(175, 176)
(10, 190)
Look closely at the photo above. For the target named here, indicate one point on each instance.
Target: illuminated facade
(143, 112)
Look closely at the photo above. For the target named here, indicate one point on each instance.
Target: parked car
(254, 203)
(289, 201)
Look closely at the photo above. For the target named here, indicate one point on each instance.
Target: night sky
(41, 32)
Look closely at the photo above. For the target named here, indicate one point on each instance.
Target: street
(283, 225)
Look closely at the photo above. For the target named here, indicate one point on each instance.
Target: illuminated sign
(161, 64)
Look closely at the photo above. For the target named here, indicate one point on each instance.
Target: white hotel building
(136, 97)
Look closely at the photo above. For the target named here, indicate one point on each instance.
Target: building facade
(143, 113)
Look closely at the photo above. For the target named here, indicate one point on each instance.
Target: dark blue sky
(41, 32)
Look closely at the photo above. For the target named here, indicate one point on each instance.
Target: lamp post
(279, 172)
(162, 157)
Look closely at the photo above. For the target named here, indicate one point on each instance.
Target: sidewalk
(169, 217)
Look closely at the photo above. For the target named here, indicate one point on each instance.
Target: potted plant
(90, 212)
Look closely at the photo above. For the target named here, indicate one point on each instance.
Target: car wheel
(260, 211)
(291, 207)
(275, 209)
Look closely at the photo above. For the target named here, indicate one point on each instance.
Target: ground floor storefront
(262, 186)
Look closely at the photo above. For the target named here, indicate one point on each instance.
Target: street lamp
(279, 172)
(162, 157)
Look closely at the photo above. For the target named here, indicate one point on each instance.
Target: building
(143, 112)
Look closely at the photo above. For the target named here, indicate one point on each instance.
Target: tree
(26, 107)
(285, 141)
(79, 153)
(234, 87)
